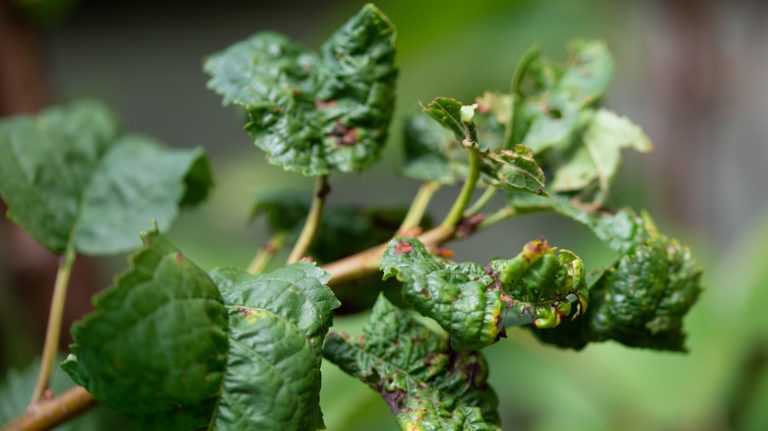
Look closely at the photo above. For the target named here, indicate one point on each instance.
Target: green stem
(457, 211)
(267, 253)
(312, 223)
(497, 217)
(418, 206)
(481, 202)
(53, 331)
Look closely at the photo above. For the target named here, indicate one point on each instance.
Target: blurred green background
(692, 73)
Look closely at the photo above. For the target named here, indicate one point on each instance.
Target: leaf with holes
(426, 384)
(314, 112)
(70, 178)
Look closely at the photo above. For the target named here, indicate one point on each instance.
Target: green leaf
(155, 347)
(639, 301)
(475, 304)
(69, 178)
(277, 322)
(433, 156)
(598, 154)
(549, 97)
(314, 113)
(427, 385)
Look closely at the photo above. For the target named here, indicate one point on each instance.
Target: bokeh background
(693, 73)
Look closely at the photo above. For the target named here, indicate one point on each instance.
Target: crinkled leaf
(155, 347)
(475, 304)
(277, 322)
(68, 177)
(313, 113)
(426, 384)
(598, 153)
(640, 300)
(549, 97)
(513, 170)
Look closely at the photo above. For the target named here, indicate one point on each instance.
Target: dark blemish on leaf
(245, 311)
(469, 226)
(323, 104)
(555, 113)
(403, 247)
(344, 135)
(394, 399)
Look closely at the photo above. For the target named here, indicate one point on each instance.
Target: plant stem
(457, 211)
(367, 261)
(497, 217)
(481, 202)
(312, 223)
(46, 414)
(266, 253)
(54, 323)
(418, 206)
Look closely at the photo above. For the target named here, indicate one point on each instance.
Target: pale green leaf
(68, 177)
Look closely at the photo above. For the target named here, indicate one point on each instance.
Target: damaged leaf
(310, 112)
(426, 384)
(474, 304)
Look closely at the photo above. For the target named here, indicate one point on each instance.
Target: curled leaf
(313, 113)
(475, 304)
(426, 384)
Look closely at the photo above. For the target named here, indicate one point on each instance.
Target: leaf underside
(310, 112)
(426, 384)
(69, 177)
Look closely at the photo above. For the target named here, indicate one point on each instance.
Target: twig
(266, 253)
(46, 414)
(418, 206)
(312, 223)
(481, 202)
(54, 323)
(457, 211)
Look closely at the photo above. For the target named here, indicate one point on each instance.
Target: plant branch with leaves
(171, 346)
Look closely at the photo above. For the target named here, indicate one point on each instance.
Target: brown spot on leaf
(468, 226)
(245, 311)
(323, 104)
(344, 135)
(394, 399)
(179, 257)
(445, 252)
(403, 247)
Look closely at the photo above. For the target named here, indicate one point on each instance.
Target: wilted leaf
(155, 348)
(314, 113)
(426, 384)
(68, 177)
(475, 304)
(597, 155)
(277, 322)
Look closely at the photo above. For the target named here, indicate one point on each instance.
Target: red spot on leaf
(244, 311)
(445, 253)
(403, 247)
(322, 104)
(344, 135)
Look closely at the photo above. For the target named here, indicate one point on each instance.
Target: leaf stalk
(312, 224)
